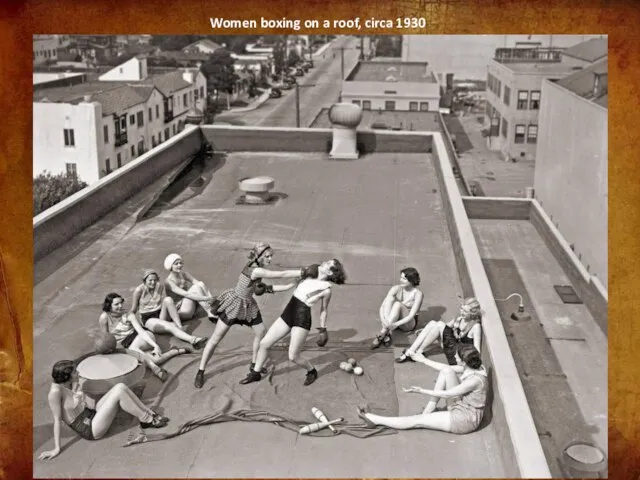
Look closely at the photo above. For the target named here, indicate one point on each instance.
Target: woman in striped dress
(237, 306)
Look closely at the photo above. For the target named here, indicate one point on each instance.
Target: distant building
(93, 128)
(392, 85)
(586, 53)
(46, 48)
(59, 79)
(202, 46)
(572, 162)
(513, 95)
(467, 56)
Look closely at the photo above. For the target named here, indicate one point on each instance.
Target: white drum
(102, 372)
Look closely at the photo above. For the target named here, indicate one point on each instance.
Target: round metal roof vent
(585, 457)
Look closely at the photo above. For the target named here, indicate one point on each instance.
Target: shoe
(156, 422)
(404, 357)
(361, 414)
(212, 318)
(200, 342)
(264, 371)
(161, 418)
(387, 342)
(162, 374)
(312, 375)
(376, 342)
(199, 380)
(252, 376)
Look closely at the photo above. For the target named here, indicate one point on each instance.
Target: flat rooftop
(525, 68)
(388, 71)
(378, 214)
(386, 120)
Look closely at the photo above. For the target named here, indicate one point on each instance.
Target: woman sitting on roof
(463, 386)
(186, 290)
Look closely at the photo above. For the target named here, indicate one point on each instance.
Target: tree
(293, 59)
(278, 57)
(49, 189)
(221, 76)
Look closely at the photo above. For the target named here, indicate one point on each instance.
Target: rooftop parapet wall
(61, 222)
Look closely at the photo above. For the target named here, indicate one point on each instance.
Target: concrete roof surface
(411, 72)
(590, 51)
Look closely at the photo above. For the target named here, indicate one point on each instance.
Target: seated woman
(185, 290)
(465, 328)
(130, 335)
(464, 387)
(400, 307)
(296, 318)
(91, 420)
(237, 306)
(154, 307)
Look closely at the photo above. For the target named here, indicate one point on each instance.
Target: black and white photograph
(334, 256)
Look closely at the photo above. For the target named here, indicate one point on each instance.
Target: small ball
(358, 371)
(347, 367)
(343, 365)
(352, 361)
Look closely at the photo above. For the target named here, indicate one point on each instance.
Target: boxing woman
(296, 319)
(237, 306)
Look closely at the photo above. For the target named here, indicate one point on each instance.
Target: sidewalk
(484, 167)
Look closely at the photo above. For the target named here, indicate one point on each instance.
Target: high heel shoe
(361, 413)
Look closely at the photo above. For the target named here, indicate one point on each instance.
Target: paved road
(326, 81)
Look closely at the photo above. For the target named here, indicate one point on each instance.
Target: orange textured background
(19, 20)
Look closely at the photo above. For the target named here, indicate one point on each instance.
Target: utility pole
(362, 47)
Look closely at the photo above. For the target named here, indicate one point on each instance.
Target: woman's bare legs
(278, 331)
(218, 334)
(446, 380)
(298, 337)
(119, 397)
(434, 421)
(157, 325)
(259, 331)
(170, 311)
(188, 306)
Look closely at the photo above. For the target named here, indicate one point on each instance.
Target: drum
(101, 372)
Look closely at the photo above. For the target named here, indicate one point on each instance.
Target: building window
(153, 141)
(69, 138)
(519, 138)
(105, 131)
(159, 137)
(390, 105)
(157, 111)
(356, 102)
(119, 158)
(132, 119)
(535, 100)
(72, 170)
(366, 104)
(174, 128)
(150, 114)
(498, 88)
(195, 94)
(185, 100)
(133, 151)
(424, 106)
(532, 134)
(140, 118)
(107, 166)
(507, 95)
(140, 147)
(167, 134)
(523, 99)
(202, 92)
(413, 106)
(505, 128)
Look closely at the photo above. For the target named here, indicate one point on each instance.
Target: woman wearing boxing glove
(237, 306)
(400, 307)
(296, 319)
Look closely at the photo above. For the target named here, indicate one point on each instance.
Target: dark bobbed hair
(62, 370)
(338, 274)
(108, 300)
(469, 355)
(412, 275)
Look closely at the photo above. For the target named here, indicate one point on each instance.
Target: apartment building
(47, 47)
(513, 96)
(392, 85)
(93, 128)
(571, 171)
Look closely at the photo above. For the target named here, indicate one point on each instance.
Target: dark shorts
(222, 316)
(128, 340)
(82, 424)
(146, 316)
(297, 314)
(450, 344)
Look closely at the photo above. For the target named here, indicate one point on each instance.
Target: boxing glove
(323, 338)
(310, 271)
(260, 288)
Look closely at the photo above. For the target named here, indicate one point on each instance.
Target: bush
(49, 189)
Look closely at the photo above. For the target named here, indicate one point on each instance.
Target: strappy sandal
(162, 374)
(361, 414)
(199, 343)
(156, 422)
(404, 357)
(386, 341)
(376, 342)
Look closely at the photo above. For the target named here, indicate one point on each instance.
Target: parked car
(275, 93)
(299, 72)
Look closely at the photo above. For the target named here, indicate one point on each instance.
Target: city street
(319, 88)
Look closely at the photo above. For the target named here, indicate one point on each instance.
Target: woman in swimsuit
(186, 290)
(237, 306)
(465, 328)
(91, 420)
(464, 387)
(296, 319)
(133, 337)
(400, 307)
(154, 308)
